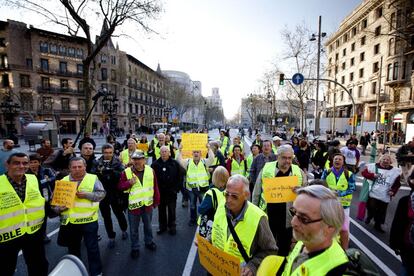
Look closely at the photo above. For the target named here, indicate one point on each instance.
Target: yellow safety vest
(197, 175)
(237, 168)
(157, 152)
(141, 194)
(124, 156)
(341, 185)
(246, 230)
(224, 145)
(274, 148)
(220, 197)
(84, 210)
(321, 264)
(269, 172)
(16, 217)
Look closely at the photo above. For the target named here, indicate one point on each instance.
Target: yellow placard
(194, 141)
(280, 189)
(142, 146)
(64, 193)
(215, 261)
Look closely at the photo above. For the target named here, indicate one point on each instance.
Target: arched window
(391, 46)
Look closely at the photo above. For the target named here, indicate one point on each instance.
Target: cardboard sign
(280, 189)
(64, 193)
(215, 261)
(194, 141)
(142, 147)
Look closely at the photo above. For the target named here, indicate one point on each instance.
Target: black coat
(109, 174)
(170, 176)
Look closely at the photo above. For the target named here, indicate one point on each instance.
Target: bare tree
(79, 15)
(180, 99)
(255, 110)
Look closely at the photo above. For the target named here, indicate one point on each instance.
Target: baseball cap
(137, 155)
(277, 138)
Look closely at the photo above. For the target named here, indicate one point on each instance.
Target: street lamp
(9, 109)
(110, 107)
(313, 38)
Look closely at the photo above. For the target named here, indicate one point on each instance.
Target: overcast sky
(227, 44)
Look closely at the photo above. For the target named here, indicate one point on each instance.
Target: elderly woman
(384, 182)
(212, 199)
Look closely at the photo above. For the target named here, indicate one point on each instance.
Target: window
(64, 85)
(44, 47)
(44, 64)
(362, 56)
(374, 88)
(351, 76)
(359, 91)
(45, 83)
(343, 65)
(113, 60)
(376, 49)
(378, 30)
(26, 101)
(79, 68)
(62, 50)
(352, 61)
(104, 74)
(5, 80)
(341, 96)
(103, 58)
(389, 72)
(2, 42)
(47, 103)
(336, 69)
(29, 63)
(364, 24)
(24, 80)
(336, 56)
(353, 47)
(392, 21)
(363, 40)
(53, 48)
(354, 31)
(63, 67)
(378, 12)
(345, 38)
(65, 102)
(395, 73)
(79, 53)
(344, 52)
(342, 79)
(404, 70)
(400, 18)
(398, 46)
(80, 86)
(81, 104)
(4, 62)
(71, 52)
(361, 72)
(391, 46)
(375, 67)
(337, 43)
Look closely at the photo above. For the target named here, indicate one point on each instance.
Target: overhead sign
(280, 189)
(298, 78)
(398, 118)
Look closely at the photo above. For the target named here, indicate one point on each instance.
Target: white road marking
(372, 256)
(190, 258)
(373, 237)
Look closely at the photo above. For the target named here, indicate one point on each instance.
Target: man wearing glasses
(249, 223)
(317, 219)
(279, 219)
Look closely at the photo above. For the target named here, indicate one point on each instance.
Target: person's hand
(68, 151)
(245, 271)
(390, 193)
(60, 209)
(81, 194)
(294, 189)
(133, 180)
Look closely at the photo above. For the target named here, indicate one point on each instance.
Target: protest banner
(194, 141)
(215, 261)
(64, 193)
(280, 189)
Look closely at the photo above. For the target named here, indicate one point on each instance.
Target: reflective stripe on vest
(238, 168)
(84, 210)
(341, 185)
(268, 171)
(141, 194)
(245, 229)
(16, 217)
(197, 175)
(321, 264)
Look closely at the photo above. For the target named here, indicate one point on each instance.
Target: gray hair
(107, 146)
(165, 147)
(77, 158)
(284, 148)
(242, 179)
(332, 212)
(161, 135)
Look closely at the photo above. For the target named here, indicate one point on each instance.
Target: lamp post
(9, 109)
(110, 107)
(313, 38)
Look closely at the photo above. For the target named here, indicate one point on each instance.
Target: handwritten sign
(64, 193)
(215, 261)
(194, 141)
(143, 147)
(280, 189)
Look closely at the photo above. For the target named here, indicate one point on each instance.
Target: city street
(176, 255)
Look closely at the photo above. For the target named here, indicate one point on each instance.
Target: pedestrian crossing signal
(281, 79)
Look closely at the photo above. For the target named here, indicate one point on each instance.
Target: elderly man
(276, 143)
(197, 179)
(21, 217)
(5, 152)
(317, 219)
(240, 217)
(156, 152)
(125, 155)
(141, 182)
(81, 221)
(170, 176)
(278, 213)
(259, 161)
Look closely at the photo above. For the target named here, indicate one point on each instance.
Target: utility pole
(377, 117)
(317, 78)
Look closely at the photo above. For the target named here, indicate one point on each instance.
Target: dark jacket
(170, 176)
(109, 174)
(61, 162)
(303, 157)
(400, 228)
(91, 164)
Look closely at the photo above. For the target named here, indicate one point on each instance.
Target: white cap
(277, 138)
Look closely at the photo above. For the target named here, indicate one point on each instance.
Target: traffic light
(386, 117)
(358, 120)
(281, 79)
(350, 121)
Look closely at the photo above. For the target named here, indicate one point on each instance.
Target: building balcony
(396, 82)
(58, 90)
(67, 74)
(60, 112)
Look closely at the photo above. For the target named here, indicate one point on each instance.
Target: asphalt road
(176, 255)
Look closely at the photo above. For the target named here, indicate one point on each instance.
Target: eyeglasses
(233, 196)
(302, 219)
